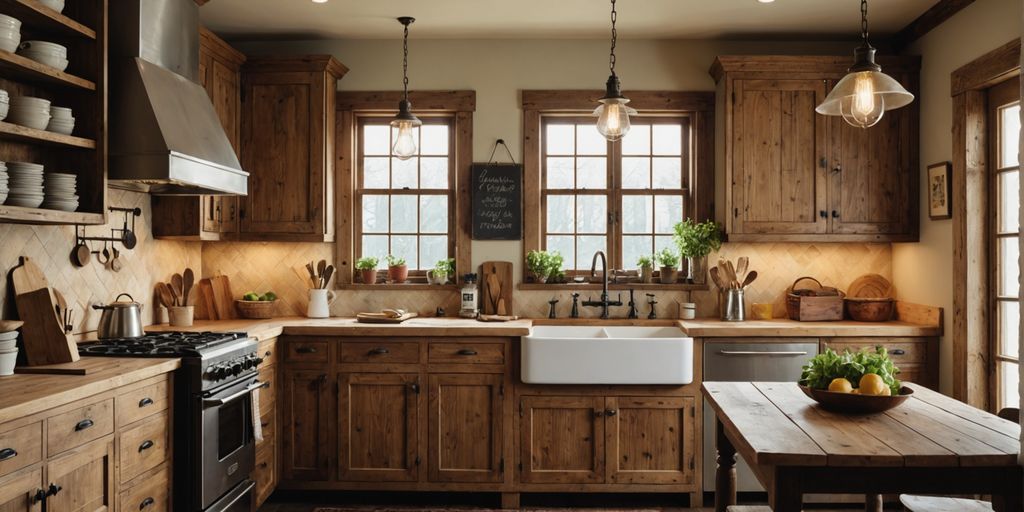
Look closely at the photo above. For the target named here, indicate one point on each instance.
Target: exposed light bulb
(405, 140)
(613, 118)
(864, 108)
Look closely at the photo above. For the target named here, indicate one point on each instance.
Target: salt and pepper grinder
(575, 305)
(551, 307)
(632, 306)
(470, 297)
(651, 302)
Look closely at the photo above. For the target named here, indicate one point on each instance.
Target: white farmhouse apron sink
(607, 355)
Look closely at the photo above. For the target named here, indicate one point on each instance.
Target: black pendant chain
(615, 36)
(405, 62)
(864, 20)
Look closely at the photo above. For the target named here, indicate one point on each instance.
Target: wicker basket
(869, 309)
(824, 304)
(256, 309)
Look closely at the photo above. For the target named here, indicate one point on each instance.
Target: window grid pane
(1005, 269)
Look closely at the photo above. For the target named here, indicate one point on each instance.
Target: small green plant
(544, 264)
(646, 261)
(367, 263)
(697, 239)
(394, 261)
(667, 258)
(445, 266)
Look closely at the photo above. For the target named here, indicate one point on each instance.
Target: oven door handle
(762, 353)
(245, 392)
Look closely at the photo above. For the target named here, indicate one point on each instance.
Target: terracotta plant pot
(398, 274)
(647, 275)
(369, 276)
(669, 275)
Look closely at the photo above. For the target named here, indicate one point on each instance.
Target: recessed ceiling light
(761, 1)
(325, 1)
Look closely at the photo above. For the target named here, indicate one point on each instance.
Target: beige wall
(923, 271)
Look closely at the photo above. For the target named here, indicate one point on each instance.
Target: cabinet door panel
(306, 405)
(466, 427)
(378, 415)
(651, 440)
(18, 491)
(778, 183)
(86, 478)
(562, 439)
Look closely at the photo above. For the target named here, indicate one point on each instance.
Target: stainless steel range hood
(165, 137)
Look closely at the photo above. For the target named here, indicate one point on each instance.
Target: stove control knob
(221, 373)
(236, 368)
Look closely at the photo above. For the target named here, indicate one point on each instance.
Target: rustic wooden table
(931, 444)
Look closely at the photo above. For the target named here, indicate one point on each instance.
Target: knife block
(43, 338)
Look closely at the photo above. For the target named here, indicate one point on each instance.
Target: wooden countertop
(263, 329)
(26, 394)
(781, 327)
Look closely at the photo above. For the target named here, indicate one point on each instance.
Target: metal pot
(120, 319)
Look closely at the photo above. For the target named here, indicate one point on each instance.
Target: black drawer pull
(147, 444)
(899, 352)
(611, 412)
(467, 352)
(40, 495)
(266, 354)
(306, 350)
(53, 490)
(145, 402)
(263, 465)
(379, 351)
(146, 502)
(8, 453)
(84, 424)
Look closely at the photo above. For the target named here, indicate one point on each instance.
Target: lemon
(840, 385)
(887, 391)
(872, 384)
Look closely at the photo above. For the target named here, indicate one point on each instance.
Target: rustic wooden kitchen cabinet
(794, 175)
(466, 428)
(209, 217)
(288, 127)
(378, 416)
(307, 404)
(267, 472)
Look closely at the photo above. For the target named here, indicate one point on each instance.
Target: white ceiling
(539, 19)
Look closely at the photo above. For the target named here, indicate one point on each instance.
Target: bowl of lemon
(854, 382)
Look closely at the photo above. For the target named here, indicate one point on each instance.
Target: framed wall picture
(940, 191)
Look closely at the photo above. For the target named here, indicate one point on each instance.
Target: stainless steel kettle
(120, 319)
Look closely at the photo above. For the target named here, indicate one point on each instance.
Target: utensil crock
(120, 319)
(320, 301)
(181, 316)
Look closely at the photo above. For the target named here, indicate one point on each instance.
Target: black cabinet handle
(611, 412)
(8, 453)
(39, 495)
(147, 444)
(898, 352)
(84, 424)
(823, 214)
(306, 350)
(598, 414)
(266, 354)
(415, 387)
(467, 352)
(835, 214)
(145, 401)
(146, 502)
(379, 351)
(263, 465)
(53, 490)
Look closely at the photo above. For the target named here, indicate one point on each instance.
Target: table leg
(787, 494)
(873, 503)
(1011, 502)
(725, 476)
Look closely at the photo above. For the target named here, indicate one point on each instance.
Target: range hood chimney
(165, 137)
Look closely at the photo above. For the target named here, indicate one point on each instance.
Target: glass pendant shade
(613, 118)
(405, 125)
(862, 97)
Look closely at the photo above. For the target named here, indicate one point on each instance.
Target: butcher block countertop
(447, 327)
(26, 394)
(781, 327)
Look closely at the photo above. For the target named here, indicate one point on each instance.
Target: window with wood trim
(405, 207)
(1004, 200)
(620, 197)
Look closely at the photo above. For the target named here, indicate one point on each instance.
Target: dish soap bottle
(470, 296)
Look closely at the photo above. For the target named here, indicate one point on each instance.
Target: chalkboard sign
(497, 201)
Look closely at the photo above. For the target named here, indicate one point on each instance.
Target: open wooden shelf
(22, 215)
(14, 66)
(41, 18)
(16, 132)
(568, 287)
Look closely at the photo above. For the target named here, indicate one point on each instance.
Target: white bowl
(9, 40)
(7, 362)
(54, 61)
(60, 112)
(29, 166)
(30, 101)
(9, 22)
(8, 345)
(8, 335)
(44, 47)
(35, 120)
(57, 5)
(63, 128)
(4, 109)
(24, 202)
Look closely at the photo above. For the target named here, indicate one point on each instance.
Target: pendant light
(865, 93)
(405, 122)
(613, 113)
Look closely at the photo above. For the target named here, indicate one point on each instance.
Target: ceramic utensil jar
(320, 301)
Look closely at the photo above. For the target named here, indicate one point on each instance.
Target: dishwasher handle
(762, 353)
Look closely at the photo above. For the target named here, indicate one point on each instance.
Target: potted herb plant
(543, 264)
(398, 272)
(669, 262)
(367, 267)
(646, 266)
(696, 240)
(441, 271)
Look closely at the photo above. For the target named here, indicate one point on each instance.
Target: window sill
(675, 287)
(419, 287)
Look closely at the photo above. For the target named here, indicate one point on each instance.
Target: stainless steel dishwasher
(748, 359)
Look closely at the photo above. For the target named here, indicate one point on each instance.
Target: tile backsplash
(50, 248)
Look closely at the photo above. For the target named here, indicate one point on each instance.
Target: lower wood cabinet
(82, 479)
(21, 491)
(561, 439)
(307, 404)
(466, 428)
(378, 416)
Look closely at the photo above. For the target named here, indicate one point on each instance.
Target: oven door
(227, 445)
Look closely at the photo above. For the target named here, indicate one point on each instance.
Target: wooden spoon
(165, 295)
(749, 279)
(177, 283)
(328, 274)
(730, 274)
(715, 278)
(742, 264)
(188, 281)
(321, 267)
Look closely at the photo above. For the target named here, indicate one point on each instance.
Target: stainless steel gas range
(214, 449)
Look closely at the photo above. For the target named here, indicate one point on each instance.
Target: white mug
(320, 301)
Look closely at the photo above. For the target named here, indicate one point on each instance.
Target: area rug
(473, 509)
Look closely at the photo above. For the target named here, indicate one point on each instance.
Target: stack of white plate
(45, 53)
(30, 112)
(8, 352)
(10, 33)
(26, 184)
(61, 120)
(57, 5)
(3, 182)
(59, 189)
(5, 104)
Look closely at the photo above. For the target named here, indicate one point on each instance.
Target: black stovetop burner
(161, 344)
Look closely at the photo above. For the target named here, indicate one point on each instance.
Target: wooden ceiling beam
(933, 17)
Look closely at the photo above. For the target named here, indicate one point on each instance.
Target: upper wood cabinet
(794, 175)
(208, 217)
(288, 127)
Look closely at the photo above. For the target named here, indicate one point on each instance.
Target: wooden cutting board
(84, 366)
(496, 288)
(223, 300)
(870, 286)
(381, 318)
(43, 336)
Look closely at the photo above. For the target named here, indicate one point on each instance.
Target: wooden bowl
(856, 404)
(256, 309)
(870, 310)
